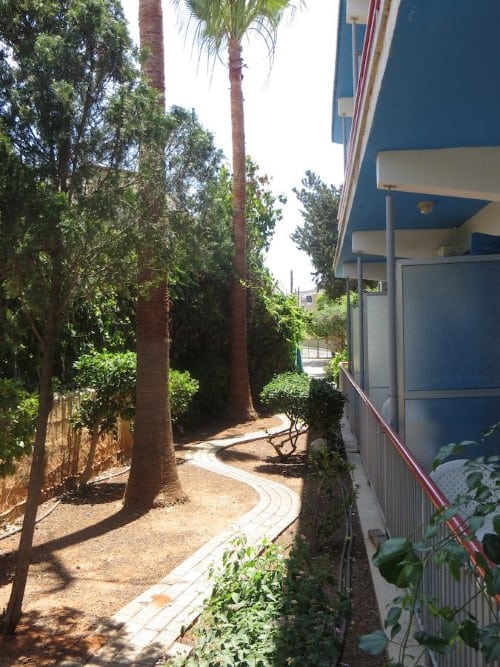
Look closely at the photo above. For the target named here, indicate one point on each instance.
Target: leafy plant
(182, 388)
(112, 377)
(332, 368)
(404, 562)
(332, 470)
(325, 406)
(287, 393)
(267, 610)
(18, 410)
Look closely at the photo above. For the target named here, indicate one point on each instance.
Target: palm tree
(221, 27)
(153, 475)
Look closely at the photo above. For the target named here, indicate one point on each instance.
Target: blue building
(417, 107)
(417, 103)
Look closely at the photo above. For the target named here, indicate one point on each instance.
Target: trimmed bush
(287, 393)
(325, 407)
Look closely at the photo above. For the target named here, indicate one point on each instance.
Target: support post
(361, 324)
(393, 411)
(354, 59)
(349, 325)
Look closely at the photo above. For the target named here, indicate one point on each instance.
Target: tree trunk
(14, 607)
(89, 465)
(153, 475)
(240, 406)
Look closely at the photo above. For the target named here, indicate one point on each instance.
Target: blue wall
(449, 353)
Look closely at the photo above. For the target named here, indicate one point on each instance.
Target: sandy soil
(91, 557)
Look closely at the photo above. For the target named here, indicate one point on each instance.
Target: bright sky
(287, 110)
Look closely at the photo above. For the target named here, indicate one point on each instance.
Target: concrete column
(361, 324)
(393, 415)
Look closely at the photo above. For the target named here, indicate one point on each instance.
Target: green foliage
(312, 402)
(112, 376)
(319, 233)
(325, 406)
(287, 393)
(332, 368)
(18, 410)
(200, 295)
(404, 562)
(112, 379)
(276, 327)
(334, 473)
(266, 610)
(182, 388)
(329, 321)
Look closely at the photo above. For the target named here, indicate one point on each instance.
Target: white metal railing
(407, 498)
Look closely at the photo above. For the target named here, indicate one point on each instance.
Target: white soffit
(471, 173)
(357, 11)
(409, 243)
(371, 270)
(346, 106)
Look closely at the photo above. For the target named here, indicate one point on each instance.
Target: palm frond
(219, 21)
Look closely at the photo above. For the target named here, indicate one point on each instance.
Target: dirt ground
(90, 557)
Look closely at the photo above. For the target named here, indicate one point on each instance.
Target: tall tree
(153, 475)
(318, 235)
(69, 108)
(221, 27)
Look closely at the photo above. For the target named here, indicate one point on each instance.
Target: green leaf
(492, 578)
(375, 643)
(491, 546)
(397, 561)
(393, 616)
(432, 642)
(496, 524)
(489, 639)
(469, 634)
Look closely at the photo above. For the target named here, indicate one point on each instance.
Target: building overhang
(425, 120)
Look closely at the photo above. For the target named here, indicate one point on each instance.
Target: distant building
(308, 299)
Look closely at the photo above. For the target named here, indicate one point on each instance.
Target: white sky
(287, 110)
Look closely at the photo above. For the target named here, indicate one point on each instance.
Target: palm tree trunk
(240, 406)
(153, 475)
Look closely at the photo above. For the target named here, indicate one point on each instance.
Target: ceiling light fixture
(425, 207)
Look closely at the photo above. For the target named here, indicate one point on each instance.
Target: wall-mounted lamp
(425, 207)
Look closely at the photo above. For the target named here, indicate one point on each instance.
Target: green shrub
(287, 393)
(18, 411)
(325, 406)
(182, 388)
(266, 610)
(332, 368)
(112, 376)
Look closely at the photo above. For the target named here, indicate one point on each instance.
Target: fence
(407, 498)
(66, 454)
(316, 348)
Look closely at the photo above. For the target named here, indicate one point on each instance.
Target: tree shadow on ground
(48, 640)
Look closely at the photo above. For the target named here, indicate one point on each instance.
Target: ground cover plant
(269, 608)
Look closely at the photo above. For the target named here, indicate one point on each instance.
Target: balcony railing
(407, 498)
